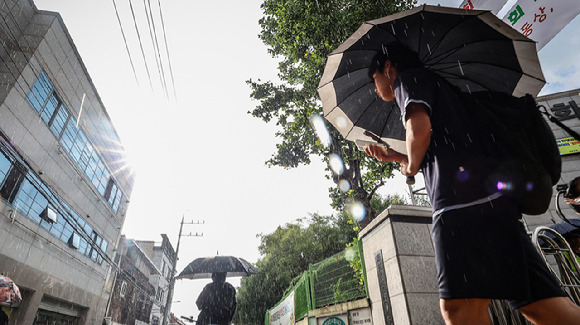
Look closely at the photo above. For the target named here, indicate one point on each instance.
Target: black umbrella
(203, 267)
(472, 49)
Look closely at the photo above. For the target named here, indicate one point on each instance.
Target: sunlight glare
(357, 210)
(321, 130)
(350, 254)
(344, 185)
(336, 164)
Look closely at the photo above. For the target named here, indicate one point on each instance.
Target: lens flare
(350, 254)
(357, 210)
(321, 130)
(462, 175)
(341, 122)
(504, 186)
(336, 164)
(344, 185)
(529, 186)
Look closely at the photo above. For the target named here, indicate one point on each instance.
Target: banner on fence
(283, 314)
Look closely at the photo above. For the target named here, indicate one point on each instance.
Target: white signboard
(541, 20)
(283, 314)
(492, 5)
(361, 316)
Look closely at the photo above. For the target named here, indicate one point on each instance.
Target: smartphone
(364, 144)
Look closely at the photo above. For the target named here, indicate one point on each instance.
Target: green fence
(332, 281)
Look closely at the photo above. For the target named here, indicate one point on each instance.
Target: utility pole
(172, 274)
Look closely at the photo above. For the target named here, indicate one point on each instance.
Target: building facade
(132, 299)
(63, 186)
(564, 107)
(163, 257)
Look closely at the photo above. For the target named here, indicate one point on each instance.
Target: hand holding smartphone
(363, 144)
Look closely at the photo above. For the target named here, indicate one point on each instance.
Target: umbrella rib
(444, 56)
(447, 75)
(438, 43)
(361, 115)
(388, 119)
(349, 96)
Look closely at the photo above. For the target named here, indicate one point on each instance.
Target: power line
(125, 41)
(140, 44)
(155, 43)
(167, 49)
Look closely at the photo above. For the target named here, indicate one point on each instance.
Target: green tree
(301, 33)
(287, 253)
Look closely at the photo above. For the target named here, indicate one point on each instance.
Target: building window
(45, 100)
(40, 92)
(4, 168)
(12, 180)
(113, 194)
(123, 289)
(31, 197)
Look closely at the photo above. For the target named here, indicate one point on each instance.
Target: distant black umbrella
(471, 49)
(203, 267)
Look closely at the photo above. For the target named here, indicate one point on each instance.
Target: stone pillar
(400, 265)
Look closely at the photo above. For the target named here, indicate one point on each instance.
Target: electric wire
(155, 43)
(141, 44)
(125, 41)
(167, 49)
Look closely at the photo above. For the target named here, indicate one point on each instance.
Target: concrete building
(133, 295)
(163, 256)
(64, 188)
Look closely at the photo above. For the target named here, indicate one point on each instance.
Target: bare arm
(418, 138)
(381, 153)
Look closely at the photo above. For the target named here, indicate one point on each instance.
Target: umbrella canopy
(9, 293)
(203, 267)
(472, 49)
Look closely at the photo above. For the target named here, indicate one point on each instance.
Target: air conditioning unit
(48, 215)
(74, 241)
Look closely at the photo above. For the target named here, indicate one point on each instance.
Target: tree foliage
(287, 253)
(301, 33)
(290, 250)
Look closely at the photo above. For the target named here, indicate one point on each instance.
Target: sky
(196, 152)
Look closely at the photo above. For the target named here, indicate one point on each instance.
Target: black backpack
(519, 145)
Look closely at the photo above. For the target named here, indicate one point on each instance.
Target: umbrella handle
(411, 180)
